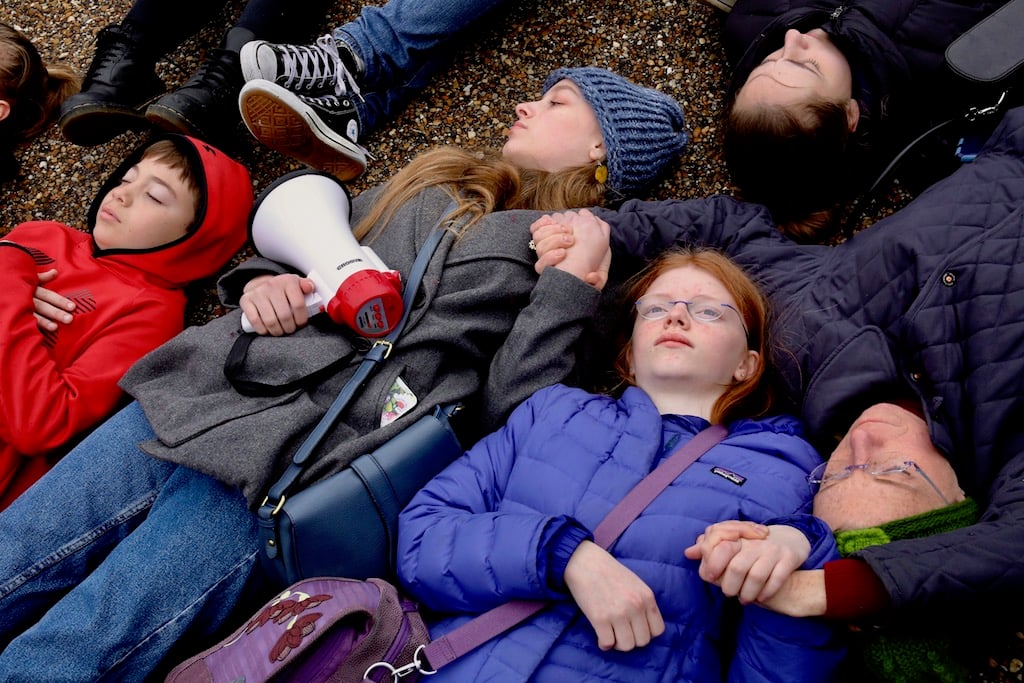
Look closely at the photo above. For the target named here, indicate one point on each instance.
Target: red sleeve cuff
(853, 591)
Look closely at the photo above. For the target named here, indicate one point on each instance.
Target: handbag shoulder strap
(377, 354)
(478, 631)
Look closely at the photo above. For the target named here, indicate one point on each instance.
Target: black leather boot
(206, 106)
(118, 85)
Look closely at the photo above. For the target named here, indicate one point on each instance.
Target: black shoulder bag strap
(377, 354)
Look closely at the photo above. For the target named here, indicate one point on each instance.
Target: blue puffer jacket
(474, 538)
(896, 51)
(929, 300)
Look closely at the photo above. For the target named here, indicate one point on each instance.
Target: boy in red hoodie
(174, 212)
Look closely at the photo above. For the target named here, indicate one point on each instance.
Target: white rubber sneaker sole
(252, 67)
(281, 121)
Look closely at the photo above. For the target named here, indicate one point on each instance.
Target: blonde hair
(481, 183)
(751, 397)
(34, 89)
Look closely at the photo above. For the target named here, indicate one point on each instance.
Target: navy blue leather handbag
(346, 524)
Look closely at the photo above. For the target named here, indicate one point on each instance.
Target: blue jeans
(403, 44)
(114, 557)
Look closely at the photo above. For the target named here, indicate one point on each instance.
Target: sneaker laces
(321, 62)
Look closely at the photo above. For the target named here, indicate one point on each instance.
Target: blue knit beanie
(643, 129)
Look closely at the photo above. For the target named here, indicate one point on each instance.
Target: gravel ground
(669, 44)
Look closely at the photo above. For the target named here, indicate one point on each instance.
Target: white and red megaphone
(302, 220)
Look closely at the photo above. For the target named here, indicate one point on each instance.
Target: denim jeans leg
(70, 519)
(171, 579)
(403, 44)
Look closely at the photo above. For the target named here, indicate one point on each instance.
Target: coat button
(949, 278)
(915, 377)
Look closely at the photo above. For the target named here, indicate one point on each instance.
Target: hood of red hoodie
(220, 227)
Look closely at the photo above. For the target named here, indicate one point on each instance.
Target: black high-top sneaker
(327, 67)
(320, 131)
(118, 85)
(206, 106)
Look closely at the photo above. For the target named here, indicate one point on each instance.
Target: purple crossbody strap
(474, 633)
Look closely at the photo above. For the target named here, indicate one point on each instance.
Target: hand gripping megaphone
(302, 220)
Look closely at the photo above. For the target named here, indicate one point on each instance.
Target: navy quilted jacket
(474, 537)
(895, 48)
(931, 298)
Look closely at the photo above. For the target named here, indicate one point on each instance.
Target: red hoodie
(55, 386)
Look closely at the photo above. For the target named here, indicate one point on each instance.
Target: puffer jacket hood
(220, 227)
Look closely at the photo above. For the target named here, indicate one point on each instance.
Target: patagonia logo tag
(731, 476)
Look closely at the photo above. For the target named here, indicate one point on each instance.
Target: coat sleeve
(779, 649)
(774, 647)
(458, 549)
(539, 349)
(641, 230)
(231, 284)
(42, 405)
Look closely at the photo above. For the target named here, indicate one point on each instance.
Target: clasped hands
(753, 562)
(576, 242)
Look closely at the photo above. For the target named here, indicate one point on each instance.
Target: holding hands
(747, 560)
(576, 242)
(618, 604)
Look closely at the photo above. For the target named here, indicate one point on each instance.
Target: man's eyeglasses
(701, 309)
(817, 478)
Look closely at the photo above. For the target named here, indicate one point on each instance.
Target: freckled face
(151, 206)
(555, 133)
(710, 355)
(808, 68)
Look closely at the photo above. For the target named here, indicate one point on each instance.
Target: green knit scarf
(904, 657)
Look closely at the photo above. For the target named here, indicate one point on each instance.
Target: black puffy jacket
(930, 300)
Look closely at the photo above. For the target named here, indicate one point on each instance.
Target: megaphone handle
(314, 305)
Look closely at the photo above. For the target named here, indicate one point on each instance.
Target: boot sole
(172, 121)
(88, 125)
(282, 122)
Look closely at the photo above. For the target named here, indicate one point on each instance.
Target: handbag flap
(992, 50)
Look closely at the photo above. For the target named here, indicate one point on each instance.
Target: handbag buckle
(277, 508)
(415, 666)
(385, 343)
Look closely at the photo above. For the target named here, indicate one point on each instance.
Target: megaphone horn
(302, 220)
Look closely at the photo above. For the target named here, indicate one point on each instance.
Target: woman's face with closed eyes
(808, 68)
(557, 132)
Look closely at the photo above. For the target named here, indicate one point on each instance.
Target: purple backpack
(354, 624)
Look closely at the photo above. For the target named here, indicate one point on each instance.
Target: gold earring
(601, 172)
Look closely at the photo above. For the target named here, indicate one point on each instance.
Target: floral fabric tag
(400, 401)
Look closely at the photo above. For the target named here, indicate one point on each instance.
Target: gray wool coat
(484, 330)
